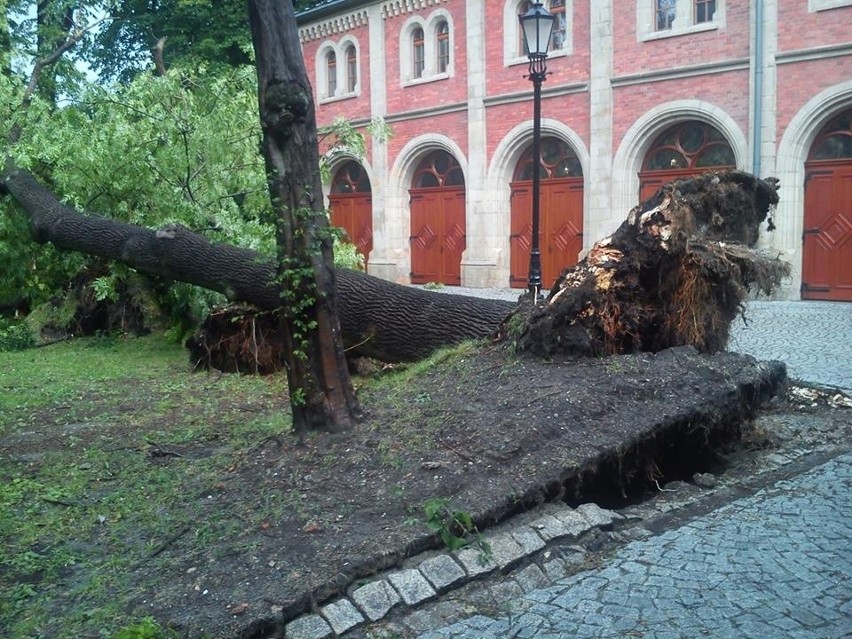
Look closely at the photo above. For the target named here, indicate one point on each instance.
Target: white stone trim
(430, 48)
(339, 48)
(825, 5)
(401, 7)
(512, 33)
(639, 137)
(646, 20)
(503, 163)
(792, 152)
(333, 26)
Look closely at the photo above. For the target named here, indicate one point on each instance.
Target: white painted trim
(430, 48)
(825, 5)
(792, 152)
(321, 67)
(646, 20)
(639, 137)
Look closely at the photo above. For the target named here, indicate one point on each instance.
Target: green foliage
(145, 629)
(15, 336)
(454, 526)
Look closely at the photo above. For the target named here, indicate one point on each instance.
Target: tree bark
(379, 319)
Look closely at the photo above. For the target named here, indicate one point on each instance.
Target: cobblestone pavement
(775, 564)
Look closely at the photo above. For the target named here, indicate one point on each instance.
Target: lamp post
(537, 25)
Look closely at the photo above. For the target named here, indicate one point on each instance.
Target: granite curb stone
(443, 572)
(375, 599)
(308, 627)
(342, 615)
(411, 586)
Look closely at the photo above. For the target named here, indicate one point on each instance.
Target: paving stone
(411, 586)
(528, 539)
(550, 528)
(308, 627)
(342, 615)
(573, 521)
(443, 572)
(596, 515)
(505, 550)
(375, 599)
(530, 578)
(474, 561)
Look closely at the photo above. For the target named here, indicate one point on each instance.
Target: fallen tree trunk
(378, 319)
(676, 272)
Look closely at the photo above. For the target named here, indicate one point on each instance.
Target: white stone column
(484, 237)
(600, 220)
(383, 258)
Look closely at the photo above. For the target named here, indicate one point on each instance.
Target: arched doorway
(437, 220)
(560, 212)
(683, 150)
(351, 204)
(827, 234)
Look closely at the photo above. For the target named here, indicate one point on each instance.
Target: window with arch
(442, 33)
(331, 73)
(689, 145)
(418, 53)
(426, 48)
(560, 39)
(337, 71)
(665, 18)
(351, 68)
(556, 160)
(438, 169)
(834, 141)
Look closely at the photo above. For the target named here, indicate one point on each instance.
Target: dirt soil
(492, 433)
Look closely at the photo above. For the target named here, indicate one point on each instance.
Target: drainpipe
(757, 124)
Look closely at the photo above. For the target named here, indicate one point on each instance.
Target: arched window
(437, 169)
(834, 142)
(418, 53)
(351, 69)
(331, 72)
(558, 160)
(442, 33)
(689, 145)
(350, 178)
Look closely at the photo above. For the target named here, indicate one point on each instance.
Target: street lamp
(537, 25)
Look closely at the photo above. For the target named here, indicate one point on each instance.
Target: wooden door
(353, 212)
(651, 181)
(561, 232)
(437, 235)
(827, 232)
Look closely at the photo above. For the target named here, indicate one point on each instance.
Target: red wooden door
(353, 212)
(561, 222)
(827, 233)
(437, 235)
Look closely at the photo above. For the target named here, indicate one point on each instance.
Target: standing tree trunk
(321, 393)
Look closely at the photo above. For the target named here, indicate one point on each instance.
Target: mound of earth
(493, 435)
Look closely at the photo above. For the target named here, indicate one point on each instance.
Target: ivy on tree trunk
(321, 392)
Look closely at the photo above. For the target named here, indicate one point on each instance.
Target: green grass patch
(108, 449)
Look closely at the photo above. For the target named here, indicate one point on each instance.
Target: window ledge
(825, 5)
(339, 98)
(673, 33)
(426, 80)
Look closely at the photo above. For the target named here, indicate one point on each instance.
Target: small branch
(157, 50)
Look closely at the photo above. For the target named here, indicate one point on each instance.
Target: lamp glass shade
(537, 25)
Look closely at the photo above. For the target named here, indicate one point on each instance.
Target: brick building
(638, 93)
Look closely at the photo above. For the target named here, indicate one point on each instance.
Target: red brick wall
(729, 91)
(690, 49)
(798, 29)
(430, 93)
(452, 125)
(798, 82)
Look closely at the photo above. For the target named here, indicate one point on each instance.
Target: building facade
(638, 93)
